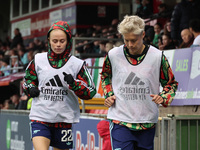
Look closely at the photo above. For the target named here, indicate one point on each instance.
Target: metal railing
(180, 133)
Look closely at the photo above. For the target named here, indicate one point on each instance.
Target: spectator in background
(164, 14)
(97, 28)
(104, 32)
(31, 47)
(15, 100)
(167, 42)
(187, 38)
(5, 65)
(19, 102)
(22, 54)
(95, 34)
(146, 10)
(194, 27)
(96, 47)
(88, 47)
(183, 12)
(102, 47)
(39, 45)
(7, 104)
(114, 22)
(111, 34)
(17, 39)
(15, 61)
(30, 56)
(149, 36)
(167, 27)
(109, 46)
(139, 6)
(79, 47)
(118, 43)
(157, 30)
(118, 35)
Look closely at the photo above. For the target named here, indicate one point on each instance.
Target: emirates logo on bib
(134, 88)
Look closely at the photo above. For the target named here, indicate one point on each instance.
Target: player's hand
(157, 99)
(109, 101)
(34, 92)
(68, 78)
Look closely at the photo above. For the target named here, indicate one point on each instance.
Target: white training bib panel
(56, 102)
(132, 86)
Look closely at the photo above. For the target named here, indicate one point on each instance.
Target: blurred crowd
(173, 29)
(108, 38)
